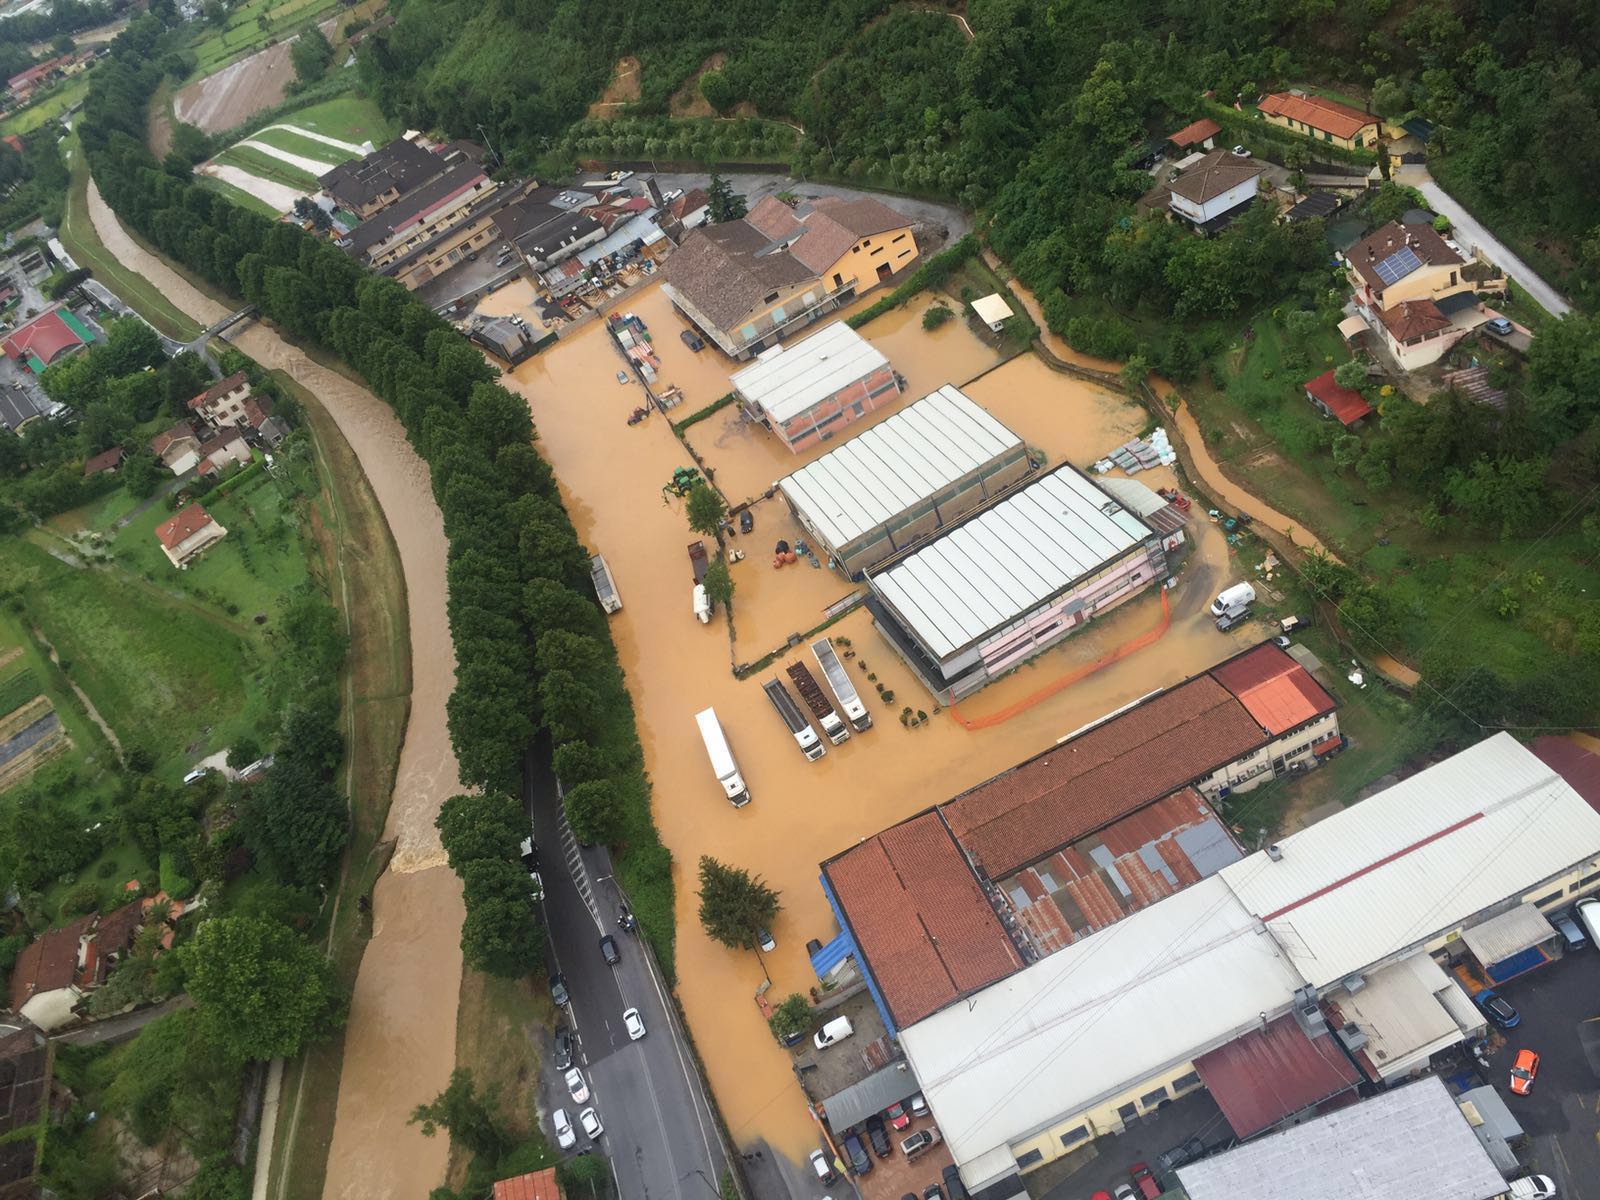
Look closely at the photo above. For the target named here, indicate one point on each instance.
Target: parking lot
(1105, 1163)
(1560, 1116)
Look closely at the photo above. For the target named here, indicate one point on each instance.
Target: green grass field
(49, 106)
(349, 118)
(303, 146)
(250, 27)
(264, 166)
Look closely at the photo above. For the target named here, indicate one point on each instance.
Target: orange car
(1523, 1072)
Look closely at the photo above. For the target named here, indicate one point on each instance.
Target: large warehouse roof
(1036, 1046)
(1425, 856)
(897, 464)
(1274, 1072)
(988, 571)
(1412, 1141)
(787, 380)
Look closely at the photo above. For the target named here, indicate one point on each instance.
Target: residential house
(48, 338)
(689, 211)
(223, 402)
(1327, 396)
(1201, 133)
(178, 448)
(19, 408)
(807, 392)
(272, 431)
(1209, 194)
(188, 534)
(1415, 290)
(1320, 118)
(369, 185)
(749, 283)
(536, 1185)
(103, 463)
(222, 447)
(53, 972)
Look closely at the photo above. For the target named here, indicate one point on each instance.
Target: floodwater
(1069, 419)
(400, 1040)
(803, 813)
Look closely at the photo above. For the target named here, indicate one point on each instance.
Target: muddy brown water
(803, 813)
(400, 1040)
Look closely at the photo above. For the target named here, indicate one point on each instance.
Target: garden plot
(279, 164)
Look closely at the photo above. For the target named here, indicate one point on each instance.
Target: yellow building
(749, 283)
(1321, 119)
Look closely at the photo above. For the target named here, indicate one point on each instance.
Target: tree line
(532, 649)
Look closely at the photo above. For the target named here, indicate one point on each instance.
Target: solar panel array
(1398, 265)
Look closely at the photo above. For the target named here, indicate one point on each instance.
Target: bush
(173, 882)
(80, 899)
(936, 316)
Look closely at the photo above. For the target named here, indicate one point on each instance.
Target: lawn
(83, 243)
(305, 147)
(350, 118)
(263, 166)
(251, 26)
(239, 196)
(48, 106)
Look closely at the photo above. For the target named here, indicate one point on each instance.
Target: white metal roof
(787, 380)
(991, 309)
(988, 571)
(1418, 859)
(1082, 1023)
(897, 464)
(1498, 938)
(1412, 1141)
(1406, 1011)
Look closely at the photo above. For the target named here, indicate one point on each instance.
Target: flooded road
(400, 1040)
(802, 812)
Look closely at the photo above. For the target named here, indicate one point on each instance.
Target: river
(400, 1040)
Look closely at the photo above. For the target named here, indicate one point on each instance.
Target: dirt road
(400, 1042)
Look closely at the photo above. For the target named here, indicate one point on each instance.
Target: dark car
(746, 521)
(878, 1134)
(608, 947)
(932, 1192)
(953, 1184)
(1572, 935)
(1229, 619)
(563, 1047)
(1499, 326)
(528, 851)
(860, 1160)
(558, 991)
(692, 341)
(1498, 1009)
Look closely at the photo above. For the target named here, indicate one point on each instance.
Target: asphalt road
(659, 1131)
(1560, 1116)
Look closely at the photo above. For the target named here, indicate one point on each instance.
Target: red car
(1144, 1180)
(899, 1118)
(1523, 1072)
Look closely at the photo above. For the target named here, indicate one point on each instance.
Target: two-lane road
(659, 1131)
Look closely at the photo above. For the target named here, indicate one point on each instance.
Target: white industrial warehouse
(904, 479)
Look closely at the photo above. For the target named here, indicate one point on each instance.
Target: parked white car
(576, 1087)
(590, 1120)
(634, 1023)
(566, 1135)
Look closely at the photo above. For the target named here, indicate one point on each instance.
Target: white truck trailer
(849, 702)
(722, 758)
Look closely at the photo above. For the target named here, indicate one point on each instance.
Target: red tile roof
(46, 337)
(47, 963)
(1579, 767)
(1273, 1073)
(178, 529)
(1279, 693)
(1413, 319)
(106, 460)
(537, 1185)
(919, 917)
(1320, 113)
(1191, 135)
(1115, 768)
(773, 218)
(218, 390)
(159, 443)
(1347, 404)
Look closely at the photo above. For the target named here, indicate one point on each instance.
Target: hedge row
(516, 571)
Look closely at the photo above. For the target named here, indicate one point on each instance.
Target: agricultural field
(48, 106)
(271, 167)
(250, 26)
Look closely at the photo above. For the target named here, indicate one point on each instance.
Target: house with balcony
(749, 283)
(1210, 193)
(1416, 291)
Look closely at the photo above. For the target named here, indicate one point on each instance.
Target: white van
(1532, 1187)
(1233, 598)
(1588, 911)
(835, 1030)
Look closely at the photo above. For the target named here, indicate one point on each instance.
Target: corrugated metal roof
(1406, 1012)
(787, 380)
(870, 1095)
(897, 464)
(1034, 1047)
(1411, 1141)
(1418, 859)
(988, 571)
(1276, 690)
(1498, 938)
(1269, 1074)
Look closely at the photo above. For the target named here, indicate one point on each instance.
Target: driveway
(1560, 1116)
(1471, 232)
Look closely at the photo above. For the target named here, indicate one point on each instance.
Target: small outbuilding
(992, 310)
(1327, 396)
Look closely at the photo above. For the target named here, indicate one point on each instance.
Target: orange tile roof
(1413, 319)
(1328, 116)
(536, 1185)
(173, 532)
(1194, 133)
(1278, 692)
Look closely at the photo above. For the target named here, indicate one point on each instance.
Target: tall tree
(705, 508)
(723, 203)
(480, 825)
(472, 1119)
(734, 904)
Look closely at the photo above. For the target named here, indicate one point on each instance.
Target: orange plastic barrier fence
(1066, 681)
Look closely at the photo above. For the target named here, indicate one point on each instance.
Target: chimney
(1405, 310)
(1371, 253)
